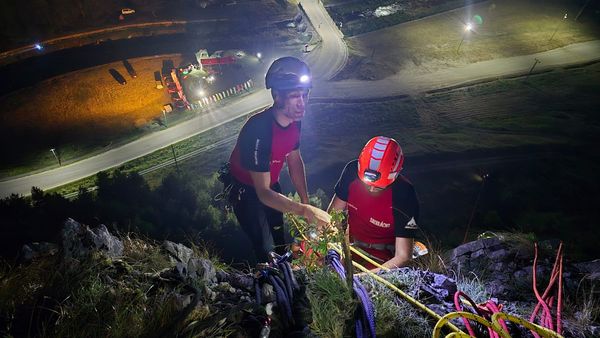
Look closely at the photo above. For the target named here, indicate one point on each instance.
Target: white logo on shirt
(412, 224)
(256, 151)
(379, 223)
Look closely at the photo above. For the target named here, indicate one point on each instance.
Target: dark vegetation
(175, 210)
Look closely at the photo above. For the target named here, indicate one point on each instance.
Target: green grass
(332, 304)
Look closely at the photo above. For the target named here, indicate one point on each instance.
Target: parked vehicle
(158, 80)
(117, 76)
(129, 69)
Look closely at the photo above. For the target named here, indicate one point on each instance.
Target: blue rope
(283, 288)
(365, 324)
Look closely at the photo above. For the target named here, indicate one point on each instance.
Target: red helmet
(380, 162)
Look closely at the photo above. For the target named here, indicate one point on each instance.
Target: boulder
(79, 240)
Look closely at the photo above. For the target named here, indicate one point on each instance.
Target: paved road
(403, 83)
(331, 55)
(52, 45)
(325, 61)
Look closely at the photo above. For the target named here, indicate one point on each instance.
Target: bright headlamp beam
(304, 79)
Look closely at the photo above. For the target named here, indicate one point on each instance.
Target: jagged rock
(35, 250)
(203, 269)
(178, 252)
(79, 240)
(189, 266)
(439, 286)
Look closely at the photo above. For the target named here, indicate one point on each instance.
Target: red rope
(540, 299)
(560, 292)
(546, 300)
(486, 311)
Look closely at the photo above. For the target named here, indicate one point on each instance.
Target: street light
(468, 28)
(55, 156)
(558, 25)
(165, 116)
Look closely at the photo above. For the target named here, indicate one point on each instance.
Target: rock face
(79, 241)
(505, 267)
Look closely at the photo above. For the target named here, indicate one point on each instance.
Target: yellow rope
(542, 331)
(462, 314)
(367, 258)
(494, 324)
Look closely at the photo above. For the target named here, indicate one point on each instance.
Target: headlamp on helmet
(380, 162)
(288, 73)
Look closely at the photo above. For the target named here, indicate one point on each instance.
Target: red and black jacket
(263, 146)
(378, 217)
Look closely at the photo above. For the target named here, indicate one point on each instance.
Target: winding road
(325, 60)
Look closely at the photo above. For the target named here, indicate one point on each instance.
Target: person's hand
(315, 215)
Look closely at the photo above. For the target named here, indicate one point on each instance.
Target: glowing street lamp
(53, 151)
(558, 25)
(38, 46)
(468, 28)
(259, 55)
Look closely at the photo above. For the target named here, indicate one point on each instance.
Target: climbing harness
(232, 191)
(419, 249)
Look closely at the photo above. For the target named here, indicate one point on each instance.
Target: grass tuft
(332, 304)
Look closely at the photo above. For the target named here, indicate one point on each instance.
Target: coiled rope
(365, 324)
(280, 275)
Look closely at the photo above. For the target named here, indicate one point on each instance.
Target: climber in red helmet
(382, 205)
(267, 141)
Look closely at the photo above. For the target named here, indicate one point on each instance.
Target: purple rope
(257, 292)
(365, 325)
(287, 282)
(282, 299)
